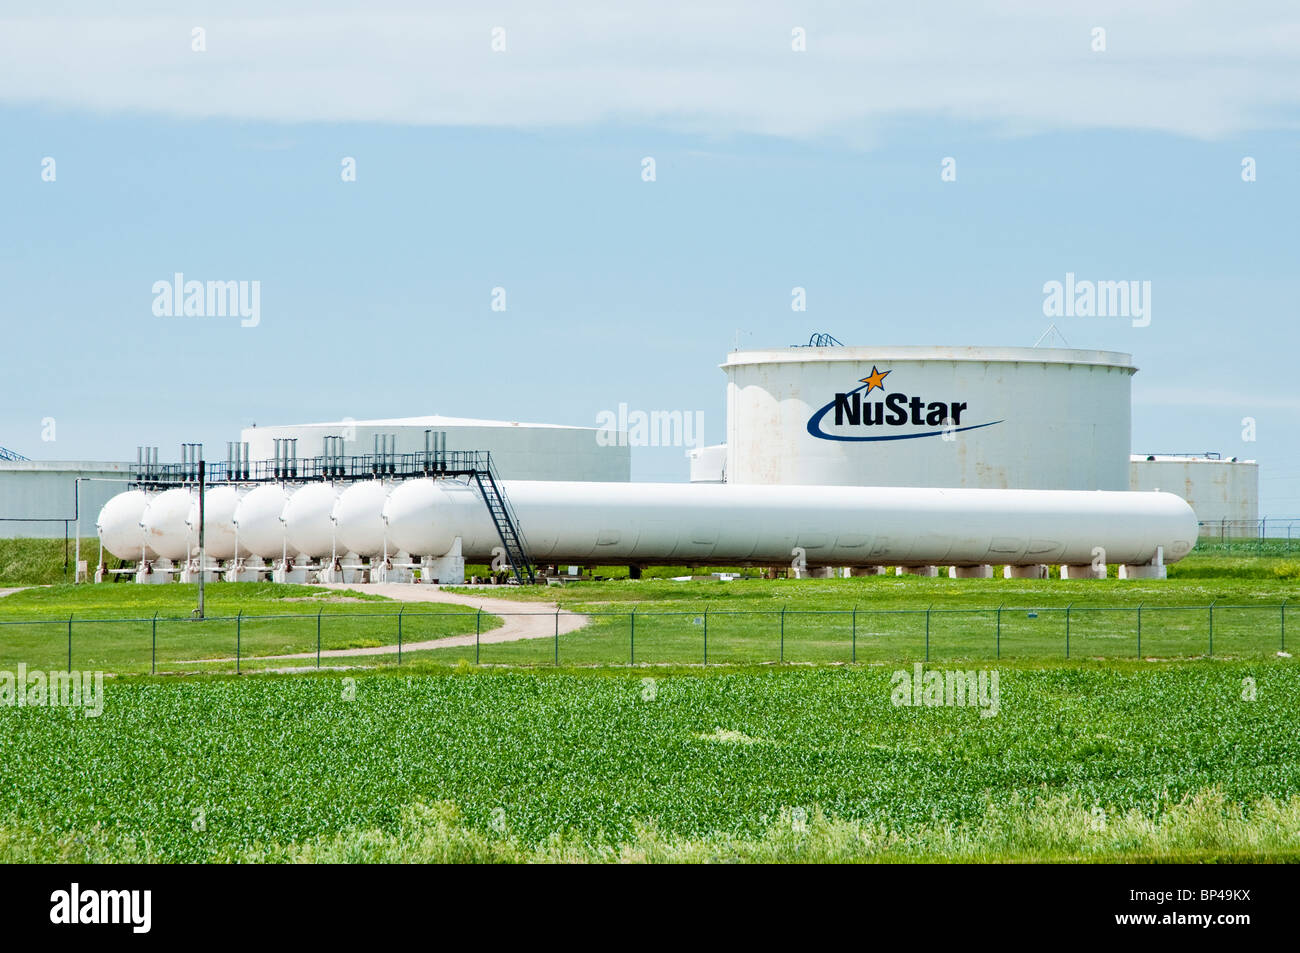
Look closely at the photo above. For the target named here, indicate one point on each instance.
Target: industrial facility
(44, 498)
(843, 459)
(984, 418)
(974, 418)
(1223, 493)
(520, 451)
(838, 460)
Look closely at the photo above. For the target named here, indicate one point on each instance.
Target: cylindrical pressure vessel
(219, 508)
(359, 515)
(166, 523)
(730, 524)
(119, 525)
(257, 518)
(309, 523)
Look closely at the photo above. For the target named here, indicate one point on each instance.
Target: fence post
(783, 633)
(706, 635)
(1212, 602)
(557, 635)
(927, 631)
(855, 632)
(1284, 602)
(632, 640)
(1139, 630)
(239, 624)
(999, 635)
(1067, 629)
(153, 649)
(69, 641)
(399, 635)
(478, 627)
(318, 612)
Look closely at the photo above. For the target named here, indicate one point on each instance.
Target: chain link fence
(159, 645)
(1271, 534)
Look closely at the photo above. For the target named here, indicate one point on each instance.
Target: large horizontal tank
(727, 524)
(309, 521)
(166, 524)
(981, 418)
(257, 518)
(119, 526)
(359, 516)
(219, 531)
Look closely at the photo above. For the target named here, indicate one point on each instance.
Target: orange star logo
(876, 380)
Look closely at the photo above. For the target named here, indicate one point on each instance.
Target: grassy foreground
(114, 628)
(880, 618)
(656, 621)
(1190, 761)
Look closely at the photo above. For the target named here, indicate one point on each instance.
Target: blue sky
(376, 293)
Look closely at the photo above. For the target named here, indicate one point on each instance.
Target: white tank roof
(1186, 458)
(985, 355)
(431, 422)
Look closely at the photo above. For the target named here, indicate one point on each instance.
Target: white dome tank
(359, 514)
(417, 518)
(257, 517)
(119, 525)
(1036, 418)
(218, 521)
(309, 522)
(166, 524)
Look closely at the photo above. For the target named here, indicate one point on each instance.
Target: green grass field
(1086, 761)
(1105, 757)
(877, 618)
(42, 562)
(658, 621)
(114, 628)
(661, 621)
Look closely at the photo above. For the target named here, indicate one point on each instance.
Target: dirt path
(521, 620)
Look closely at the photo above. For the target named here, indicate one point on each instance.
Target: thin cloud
(1204, 70)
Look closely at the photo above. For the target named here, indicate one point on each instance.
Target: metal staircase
(506, 523)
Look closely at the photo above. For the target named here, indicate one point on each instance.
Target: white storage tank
(119, 526)
(219, 531)
(1224, 494)
(676, 523)
(359, 516)
(257, 518)
(309, 521)
(166, 524)
(415, 513)
(520, 450)
(709, 464)
(965, 417)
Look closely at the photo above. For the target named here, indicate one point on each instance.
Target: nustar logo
(895, 410)
(133, 907)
